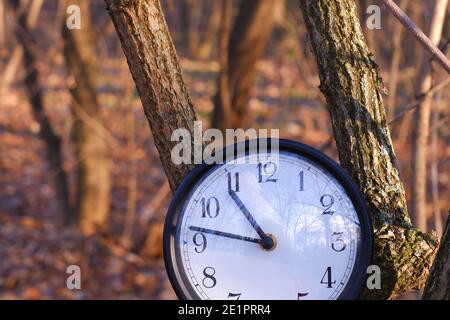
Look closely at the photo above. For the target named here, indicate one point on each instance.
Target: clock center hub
(269, 243)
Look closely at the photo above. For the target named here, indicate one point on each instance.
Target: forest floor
(35, 250)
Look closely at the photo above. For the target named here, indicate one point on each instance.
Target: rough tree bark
(422, 122)
(91, 149)
(351, 85)
(438, 283)
(49, 137)
(247, 43)
(156, 71)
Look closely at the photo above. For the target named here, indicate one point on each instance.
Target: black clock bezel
(358, 277)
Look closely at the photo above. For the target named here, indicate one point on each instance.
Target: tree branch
(418, 33)
(413, 105)
(156, 71)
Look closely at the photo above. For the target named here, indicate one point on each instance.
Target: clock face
(268, 226)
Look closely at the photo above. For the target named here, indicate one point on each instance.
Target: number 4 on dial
(329, 280)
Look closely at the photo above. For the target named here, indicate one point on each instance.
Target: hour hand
(225, 234)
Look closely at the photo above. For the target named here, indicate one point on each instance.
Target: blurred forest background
(80, 178)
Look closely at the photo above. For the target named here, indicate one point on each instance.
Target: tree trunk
(51, 140)
(208, 41)
(434, 164)
(199, 38)
(11, 67)
(156, 71)
(94, 181)
(438, 283)
(2, 26)
(395, 64)
(351, 85)
(222, 97)
(422, 122)
(420, 12)
(191, 14)
(127, 236)
(248, 41)
(295, 34)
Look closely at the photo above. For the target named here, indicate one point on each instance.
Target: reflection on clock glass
(270, 228)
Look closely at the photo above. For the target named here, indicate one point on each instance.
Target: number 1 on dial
(301, 176)
(230, 182)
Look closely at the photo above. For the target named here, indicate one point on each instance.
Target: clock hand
(267, 241)
(225, 234)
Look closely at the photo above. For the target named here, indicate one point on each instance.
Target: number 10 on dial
(288, 225)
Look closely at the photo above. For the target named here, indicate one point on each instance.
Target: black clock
(268, 225)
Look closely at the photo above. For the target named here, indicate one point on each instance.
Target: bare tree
(27, 16)
(94, 181)
(247, 43)
(351, 84)
(422, 122)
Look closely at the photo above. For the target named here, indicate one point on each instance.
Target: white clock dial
(289, 225)
(267, 227)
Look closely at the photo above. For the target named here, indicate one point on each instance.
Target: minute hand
(247, 214)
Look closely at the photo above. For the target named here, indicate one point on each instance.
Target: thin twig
(413, 105)
(155, 204)
(418, 33)
(96, 125)
(327, 144)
